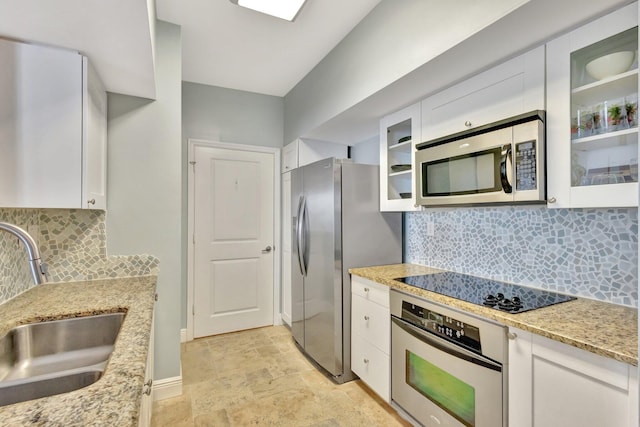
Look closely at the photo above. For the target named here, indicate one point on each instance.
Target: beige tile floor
(259, 378)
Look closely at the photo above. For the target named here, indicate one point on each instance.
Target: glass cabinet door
(399, 134)
(604, 104)
(592, 117)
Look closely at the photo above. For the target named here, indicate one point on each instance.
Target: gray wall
(394, 39)
(144, 189)
(367, 152)
(225, 115)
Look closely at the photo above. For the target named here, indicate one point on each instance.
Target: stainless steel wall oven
(448, 368)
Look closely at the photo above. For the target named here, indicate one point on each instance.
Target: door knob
(267, 250)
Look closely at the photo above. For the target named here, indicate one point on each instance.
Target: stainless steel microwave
(502, 162)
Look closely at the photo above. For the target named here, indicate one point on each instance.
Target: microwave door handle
(504, 176)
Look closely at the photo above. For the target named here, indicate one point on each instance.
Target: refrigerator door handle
(299, 235)
(305, 237)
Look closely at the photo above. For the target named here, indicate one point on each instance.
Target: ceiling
(234, 47)
(223, 44)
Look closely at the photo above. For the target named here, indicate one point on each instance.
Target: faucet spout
(38, 270)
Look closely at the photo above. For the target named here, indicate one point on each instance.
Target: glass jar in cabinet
(592, 101)
(399, 134)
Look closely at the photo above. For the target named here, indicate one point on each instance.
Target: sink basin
(47, 358)
(28, 390)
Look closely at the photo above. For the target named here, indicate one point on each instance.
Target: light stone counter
(113, 400)
(602, 328)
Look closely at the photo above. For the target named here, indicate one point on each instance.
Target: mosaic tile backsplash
(591, 253)
(73, 244)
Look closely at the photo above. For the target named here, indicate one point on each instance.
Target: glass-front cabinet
(399, 134)
(592, 123)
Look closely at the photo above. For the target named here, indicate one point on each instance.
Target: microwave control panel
(525, 163)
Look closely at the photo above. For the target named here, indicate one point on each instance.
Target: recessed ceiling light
(284, 9)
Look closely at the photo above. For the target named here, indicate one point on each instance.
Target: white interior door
(234, 239)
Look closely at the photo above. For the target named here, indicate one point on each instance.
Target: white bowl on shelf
(610, 65)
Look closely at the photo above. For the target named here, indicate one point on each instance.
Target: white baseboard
(167, 388)
(183, 335)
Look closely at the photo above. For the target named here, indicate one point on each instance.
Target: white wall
(226, 115)
(144, 189)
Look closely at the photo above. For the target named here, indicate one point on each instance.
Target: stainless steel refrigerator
(337, 225)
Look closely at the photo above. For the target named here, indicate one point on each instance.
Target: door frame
(193, 143)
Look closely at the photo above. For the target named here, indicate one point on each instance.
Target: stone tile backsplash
(73, 243)
(592, 253)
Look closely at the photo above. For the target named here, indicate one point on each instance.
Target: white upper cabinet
(511, 88)
(52, 129)
(399, 134)
(304, 151)
(592, 125)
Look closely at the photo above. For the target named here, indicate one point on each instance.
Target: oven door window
(451, 394)
(467, 174)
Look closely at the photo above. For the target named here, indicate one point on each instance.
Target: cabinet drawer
(370, 291)
(371, 321)
(371, 365)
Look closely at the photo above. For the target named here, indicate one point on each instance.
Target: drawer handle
(468, 124)
(365, 361)
(366, 317)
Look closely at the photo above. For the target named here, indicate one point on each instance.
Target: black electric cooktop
(490, 293)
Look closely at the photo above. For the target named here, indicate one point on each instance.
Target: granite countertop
(113, 400)
(602, 328)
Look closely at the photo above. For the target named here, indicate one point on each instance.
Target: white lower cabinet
(552, 384)
(371, 335)
(146, 402)
(286, 248)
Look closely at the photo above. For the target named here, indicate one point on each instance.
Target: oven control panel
(444, 326)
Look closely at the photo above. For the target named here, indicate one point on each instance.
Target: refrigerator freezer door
(297, 279)
(323, 280)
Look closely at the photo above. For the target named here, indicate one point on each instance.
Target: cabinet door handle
(91, 202)
(147, 387)
(552, 200)
(365, 361)
(512, 335)
(468, 124)
(366, 289)
(366, 317)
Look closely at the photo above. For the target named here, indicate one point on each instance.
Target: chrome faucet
(38, 268)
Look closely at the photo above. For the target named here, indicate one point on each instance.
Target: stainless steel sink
(47, 358)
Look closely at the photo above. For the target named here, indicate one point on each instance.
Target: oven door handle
(445, 346)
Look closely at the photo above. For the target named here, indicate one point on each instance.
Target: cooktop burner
(498, 295)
